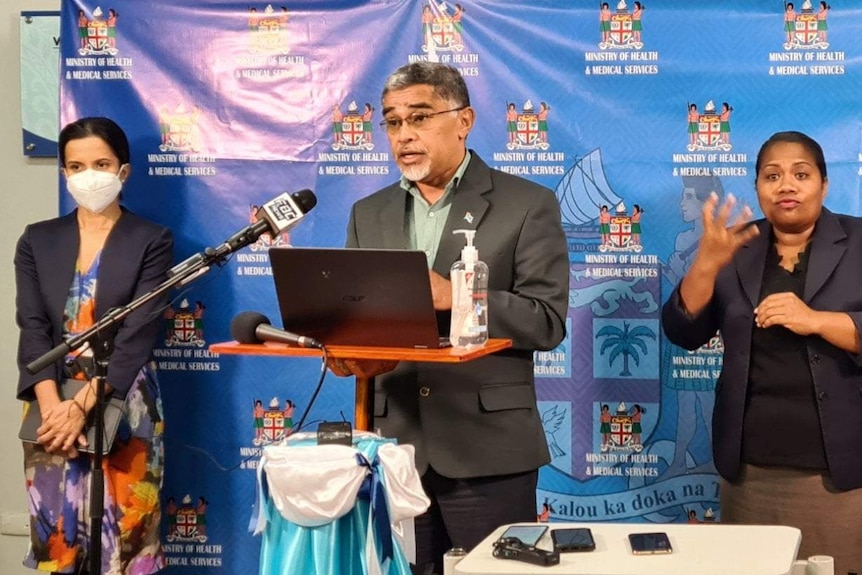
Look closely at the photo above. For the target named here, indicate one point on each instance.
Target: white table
(704, 549)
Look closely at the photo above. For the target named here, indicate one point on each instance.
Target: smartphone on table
(526, 534)
(650, 543)
(573, 539)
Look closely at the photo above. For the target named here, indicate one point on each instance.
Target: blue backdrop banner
(642, 110)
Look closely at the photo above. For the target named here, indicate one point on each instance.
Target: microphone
(276, 217)
(254, 327)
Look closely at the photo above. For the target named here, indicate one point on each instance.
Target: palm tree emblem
(626, 343)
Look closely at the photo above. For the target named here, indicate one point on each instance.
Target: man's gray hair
(447, 81)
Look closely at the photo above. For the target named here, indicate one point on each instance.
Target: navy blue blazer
(478, 418)
(135, 259)
(833, 283)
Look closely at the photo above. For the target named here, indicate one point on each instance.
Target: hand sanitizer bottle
(469, 277)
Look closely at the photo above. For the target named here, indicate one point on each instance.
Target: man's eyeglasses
(416, 120)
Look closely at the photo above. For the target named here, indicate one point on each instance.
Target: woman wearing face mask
(69, 271)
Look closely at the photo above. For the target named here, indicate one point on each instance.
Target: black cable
(296, 429)
(323, 362)
(241, 461)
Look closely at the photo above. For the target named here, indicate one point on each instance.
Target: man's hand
(360, 367)
(441, 291)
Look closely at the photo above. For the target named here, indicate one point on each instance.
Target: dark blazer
(478, 418)
(134, 260)
(833, 283)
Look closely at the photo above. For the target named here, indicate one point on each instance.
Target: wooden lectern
(364, 362)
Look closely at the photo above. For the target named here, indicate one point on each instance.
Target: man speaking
(475, 426)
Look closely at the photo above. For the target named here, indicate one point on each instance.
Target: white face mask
(93, 189)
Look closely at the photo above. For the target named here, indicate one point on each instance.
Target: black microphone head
(244, 325)
(305, 199)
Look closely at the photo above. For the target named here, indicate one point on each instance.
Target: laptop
(113, 413)
(356, 297)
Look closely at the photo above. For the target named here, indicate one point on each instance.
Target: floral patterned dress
(58, 488)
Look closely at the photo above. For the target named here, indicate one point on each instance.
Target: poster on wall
(40, 54)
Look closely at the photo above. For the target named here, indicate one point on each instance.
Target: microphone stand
(100, 337)
(101, 354)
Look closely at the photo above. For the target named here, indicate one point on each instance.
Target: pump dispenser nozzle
(469, 254)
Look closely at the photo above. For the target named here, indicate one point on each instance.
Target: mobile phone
(526, 534)
(573, 539)
(650, 543)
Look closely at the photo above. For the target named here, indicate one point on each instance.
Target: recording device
(650, 543)
(526, 534)
(254, 327)
(573, 539)
(276, 217)
(335, 432)
(513, 548)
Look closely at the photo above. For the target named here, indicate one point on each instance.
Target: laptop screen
(361, 297)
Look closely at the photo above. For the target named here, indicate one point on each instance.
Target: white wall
(28, 192)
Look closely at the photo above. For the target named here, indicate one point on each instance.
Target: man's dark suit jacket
(478, 418)
(134, 260)
(833, 283)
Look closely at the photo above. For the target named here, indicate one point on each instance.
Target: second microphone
(254, 327)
